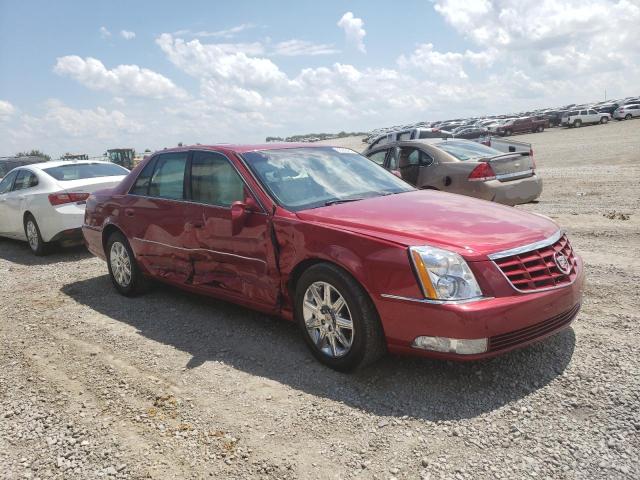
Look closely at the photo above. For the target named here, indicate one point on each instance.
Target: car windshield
(79, 171)
(302, 178)
(468, 150)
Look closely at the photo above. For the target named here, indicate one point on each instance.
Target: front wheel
(123, 268)
(604, 120)
(507, 133)
(337, 318)
(577, 123)
(627, 116)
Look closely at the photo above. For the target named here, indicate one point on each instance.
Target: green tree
(33, 153)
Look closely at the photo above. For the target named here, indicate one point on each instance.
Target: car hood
(471, 227)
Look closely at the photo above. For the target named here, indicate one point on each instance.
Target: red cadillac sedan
(322, 236)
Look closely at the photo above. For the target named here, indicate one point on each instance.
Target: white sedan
(44, 203)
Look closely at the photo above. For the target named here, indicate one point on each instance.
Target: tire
(34, 238)
(577, 123)
(507, 133)
(128, 285)
(604, 120)
(365, 338)
(628, 116)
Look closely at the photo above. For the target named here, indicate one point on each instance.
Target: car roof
(239, 148)
(59, 163)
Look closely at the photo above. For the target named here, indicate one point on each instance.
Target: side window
(404, 136)
(5, 184)
(167, 180)
(378, 157)
(214, 181)
(393, 159)
(141, 186)
(409, 157)
(583, 112)
(425, 159)
(593, 112)
(25, 179)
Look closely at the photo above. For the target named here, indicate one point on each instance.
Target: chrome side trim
(201, 250)
(527, 248)
(435, 302)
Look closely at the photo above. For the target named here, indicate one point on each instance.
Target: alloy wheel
(328, 319)
(120, 264)
(32, 235)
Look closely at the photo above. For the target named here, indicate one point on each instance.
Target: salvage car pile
(532, 121)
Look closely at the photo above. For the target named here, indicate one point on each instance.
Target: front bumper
(509, 322)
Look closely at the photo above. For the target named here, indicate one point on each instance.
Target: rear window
(467, 151)
(79, 171)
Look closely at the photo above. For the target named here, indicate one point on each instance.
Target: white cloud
(353, 29)
(553, 40)
(226, 33)
(6, 109)
(104, 32)
(121, 80)
(294, 47)
(127, 35)
(218, 61)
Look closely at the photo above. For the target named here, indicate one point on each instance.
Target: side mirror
(250, 204)
(238, 216)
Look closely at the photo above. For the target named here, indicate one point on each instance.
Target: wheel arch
(306, 263)
(107, 231)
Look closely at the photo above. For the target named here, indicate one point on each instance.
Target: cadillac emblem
(562, 263)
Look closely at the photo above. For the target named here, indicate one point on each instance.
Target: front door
(231, 263)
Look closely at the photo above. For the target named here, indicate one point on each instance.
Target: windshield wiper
(342, 200)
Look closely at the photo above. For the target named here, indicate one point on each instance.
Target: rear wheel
(507, 133)
(604, 120)
(32, 231)
(338, 320)
(123, 268)
(577, 123)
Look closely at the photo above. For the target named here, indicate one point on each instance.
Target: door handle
(129, 212)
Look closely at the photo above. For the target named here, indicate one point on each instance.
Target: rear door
(409, 164)
(161, 225)
(6, 215)
(227, 262)
(593, 116)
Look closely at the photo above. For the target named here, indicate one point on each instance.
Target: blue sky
(239, 71)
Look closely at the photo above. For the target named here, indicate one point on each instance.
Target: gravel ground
(170, 385)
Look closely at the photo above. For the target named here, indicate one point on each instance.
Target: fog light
(452, 345)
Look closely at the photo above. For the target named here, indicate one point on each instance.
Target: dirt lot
(170, 385)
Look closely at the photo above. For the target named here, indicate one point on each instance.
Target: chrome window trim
(527, 248)
(201, 249)
(435, 302)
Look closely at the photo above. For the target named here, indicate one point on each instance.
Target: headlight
(444, 275)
